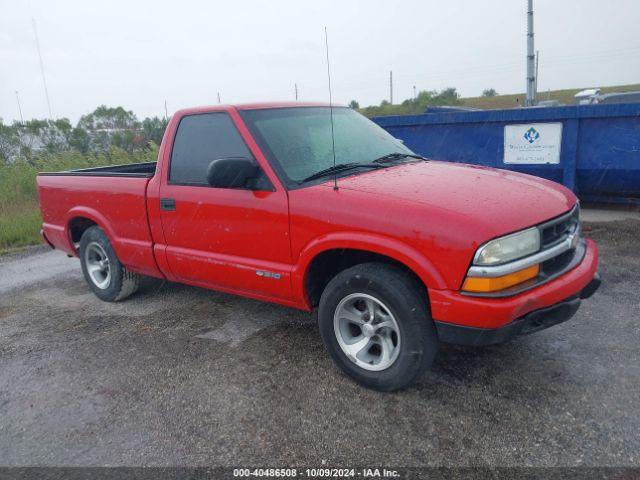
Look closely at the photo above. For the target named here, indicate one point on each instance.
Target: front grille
(555, 231)
(557, 264)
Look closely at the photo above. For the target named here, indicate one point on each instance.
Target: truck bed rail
(144, 170)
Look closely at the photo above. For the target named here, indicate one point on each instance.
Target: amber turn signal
(484, 285)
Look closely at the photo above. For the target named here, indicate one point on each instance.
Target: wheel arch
(326, 257)
(79, 219)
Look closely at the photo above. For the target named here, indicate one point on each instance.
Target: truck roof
(251, 106)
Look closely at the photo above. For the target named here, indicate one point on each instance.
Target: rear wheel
(375, 323)
(102, 270)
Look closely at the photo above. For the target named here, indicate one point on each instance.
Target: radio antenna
(333, 141)
(44, 79)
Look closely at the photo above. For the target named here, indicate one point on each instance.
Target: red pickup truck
(397, 252)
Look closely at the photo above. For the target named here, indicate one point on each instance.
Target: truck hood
(502, 201)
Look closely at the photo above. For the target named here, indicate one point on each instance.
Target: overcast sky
(137, 54)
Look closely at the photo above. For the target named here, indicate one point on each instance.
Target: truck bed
(112, 197)
(144, 170)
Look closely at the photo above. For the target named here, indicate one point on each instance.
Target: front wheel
(102, 270)
(376, 326)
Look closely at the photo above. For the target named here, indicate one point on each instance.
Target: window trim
(205, 184)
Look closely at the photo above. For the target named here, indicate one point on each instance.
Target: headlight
(511, 247)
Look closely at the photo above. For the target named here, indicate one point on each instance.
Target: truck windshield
(298, 140)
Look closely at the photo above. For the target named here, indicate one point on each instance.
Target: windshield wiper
(380, 162)
(341, 167)
(390, 157)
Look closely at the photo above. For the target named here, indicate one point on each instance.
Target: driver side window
(200, 139)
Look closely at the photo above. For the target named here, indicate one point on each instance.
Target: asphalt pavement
(184, 376)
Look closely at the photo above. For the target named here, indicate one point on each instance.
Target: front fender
(401, 252)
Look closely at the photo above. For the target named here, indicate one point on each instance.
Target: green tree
(30, 139)
(54, 135)
(100, 132)
(489, 93)
(353, 104)
(80, 140)
(108, 127)
(153, 129)
(9, 142)
(424, 99)
(109, 118)
(448, 96)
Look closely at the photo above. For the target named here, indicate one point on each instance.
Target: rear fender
(94, 216)
(136, 255)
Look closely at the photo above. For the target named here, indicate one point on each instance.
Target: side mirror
(231, 172)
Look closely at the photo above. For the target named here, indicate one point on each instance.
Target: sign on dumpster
(533, 143)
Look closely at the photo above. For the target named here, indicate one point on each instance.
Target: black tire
(404, 298)
(119, 283)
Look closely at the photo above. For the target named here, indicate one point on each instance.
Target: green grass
(563, 96)
(19, 227)
(20, 219)
(487, 103)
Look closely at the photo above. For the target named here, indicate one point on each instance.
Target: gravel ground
(184, 376)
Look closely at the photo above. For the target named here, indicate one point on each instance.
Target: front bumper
(454, 307)
(532, 322)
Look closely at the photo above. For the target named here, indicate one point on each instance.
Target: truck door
(222, 238)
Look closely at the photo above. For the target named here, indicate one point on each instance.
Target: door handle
(167, 204)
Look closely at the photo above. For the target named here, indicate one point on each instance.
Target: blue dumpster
(592, 149)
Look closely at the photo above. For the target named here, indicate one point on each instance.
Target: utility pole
(166, 114)
(531, 79)
(19, 108)
(535, 90)
(415, 95)
(391, 87)
(218, 97)
(44, 79)
(296, 88)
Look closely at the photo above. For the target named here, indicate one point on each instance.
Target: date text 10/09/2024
(316, 472)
